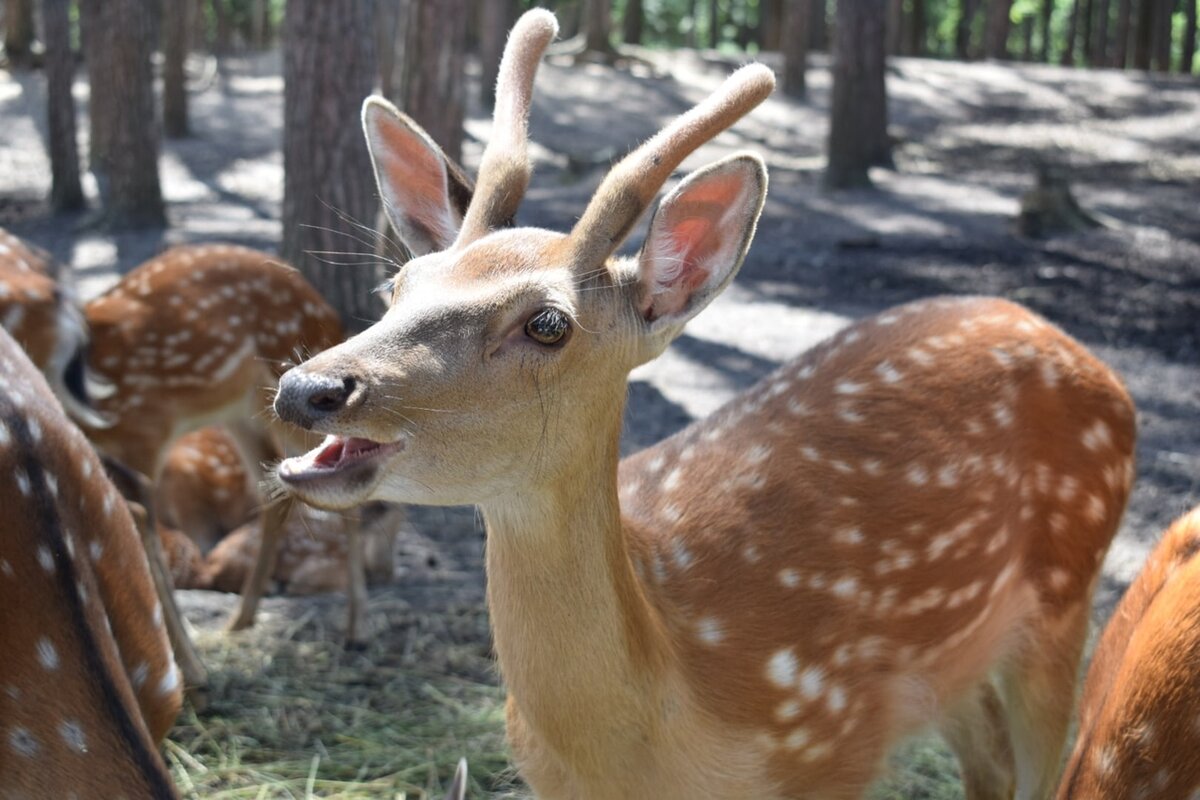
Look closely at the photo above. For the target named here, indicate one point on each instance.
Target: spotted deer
(205, 490)
(39, 310)
(900, 528)
(1139, 721)
(88, 685)
(196, 336)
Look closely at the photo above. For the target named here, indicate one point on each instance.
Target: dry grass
(293, 715)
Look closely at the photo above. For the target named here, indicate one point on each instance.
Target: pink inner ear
(414, 176)
(692, 234)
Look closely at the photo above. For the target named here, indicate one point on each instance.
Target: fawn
(88, 684)
(901, 527)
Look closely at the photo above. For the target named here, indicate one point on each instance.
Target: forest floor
(292, 715)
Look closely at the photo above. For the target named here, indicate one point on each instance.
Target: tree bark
(327, 170)
(1099, 38)
(176, 27)
(1161, 37)
(632, 23)
(18, 32)
(770, 24)
(495, 18)
(996, 29)
(894, 28)
(223, 42)
(124, 145)
(818, 28)
(1068, 53)
(794, 42)
(714, 24)
(1189, 37)
(1044, 48)
(429, 84)
(1143, 34)
(858, 136)
(66, 193)
(916, 29)
(597, 25)
(962, 30)
(1120, 57)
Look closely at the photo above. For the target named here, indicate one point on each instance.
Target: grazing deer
(902, 527)
(1139, 724)
(42, 315)
(88, 685)
(195, 336)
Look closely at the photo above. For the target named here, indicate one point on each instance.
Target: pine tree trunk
(818, 27)
(1027, 39)
(66, 193)
(894, 27)
(1189, 37)
(176, 27)
(916, 29)
(124, 145)
(597, 25)
(996, 30)
(18, 32)
(1161, 37)
(1068, 54)
(495, 18)
(631, 25)
(429, 85)
(1143, 34)
(714, 24)
(327, 170)
(223, 43)
(858, 136)
(1100, 49)
(260, 24)
(1120, 56)
(1047, 13)
(962, 30)
(770, 24)
(794, 41)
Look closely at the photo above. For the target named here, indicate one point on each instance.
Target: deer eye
(547, 326)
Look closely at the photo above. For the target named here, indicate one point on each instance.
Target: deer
(41, 312)
(1139, 721)
(205, 490)
(196, 336)
(901, 528)
(88, 682)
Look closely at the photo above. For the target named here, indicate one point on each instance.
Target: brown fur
(1139, 727)
(86, 686)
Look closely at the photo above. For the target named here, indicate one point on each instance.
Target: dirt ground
(968, 137)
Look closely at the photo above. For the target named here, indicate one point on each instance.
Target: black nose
(304, 398)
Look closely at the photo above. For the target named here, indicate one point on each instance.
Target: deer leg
(977, 731)
(356, 588)
(274, 517)
(136, 487)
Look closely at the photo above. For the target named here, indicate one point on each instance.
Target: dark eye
(547, 326)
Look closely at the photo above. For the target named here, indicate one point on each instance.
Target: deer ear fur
(698, 239)
(425, 195)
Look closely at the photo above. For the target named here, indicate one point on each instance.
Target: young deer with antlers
(1139, 723)
(901, 527)
(88, 685)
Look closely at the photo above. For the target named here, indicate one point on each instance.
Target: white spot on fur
(709, 631)
(47, 655)
(781, 668)
(789, 578)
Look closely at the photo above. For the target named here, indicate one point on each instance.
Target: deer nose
(305, 398)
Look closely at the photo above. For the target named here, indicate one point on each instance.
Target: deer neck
(580, 648)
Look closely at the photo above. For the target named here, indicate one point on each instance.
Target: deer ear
(425, 195)
(698, 239)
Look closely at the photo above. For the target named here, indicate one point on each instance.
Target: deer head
(504, 353)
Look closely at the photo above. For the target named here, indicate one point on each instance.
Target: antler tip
(756, 77)
(538, 24)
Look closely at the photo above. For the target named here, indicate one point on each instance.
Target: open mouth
(337, 456)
